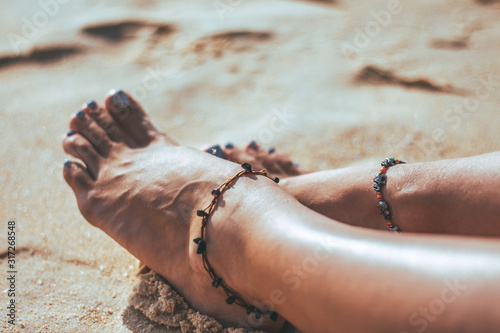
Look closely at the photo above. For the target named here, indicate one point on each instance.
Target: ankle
(231, 234)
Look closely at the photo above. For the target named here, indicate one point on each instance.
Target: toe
(132, 118)
(87, 127)
(215, 150)
(102, 117)
(79, 147)
(235, 154)
(252, 147)
(77, 176)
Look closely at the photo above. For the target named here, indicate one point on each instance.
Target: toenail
(92, 105)
(253, 145)
(67, 163)
(70, 133)
(272, 150)
(215, 150)
(120, 100)
(229, 145)
(80, 114)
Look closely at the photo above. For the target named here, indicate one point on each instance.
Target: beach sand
(332, 83)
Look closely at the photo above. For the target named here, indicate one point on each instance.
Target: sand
(332, 83)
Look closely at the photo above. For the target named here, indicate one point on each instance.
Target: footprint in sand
(41, 55)
(229, 42)
(123, 30)
(374, 75)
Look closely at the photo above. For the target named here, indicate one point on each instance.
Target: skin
(142, 189)
(456, 196)
(275, 163)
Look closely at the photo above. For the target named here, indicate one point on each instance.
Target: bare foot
(143, 190)
(276, 164)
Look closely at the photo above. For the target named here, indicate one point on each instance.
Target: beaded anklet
(378, 182)
(202, 244)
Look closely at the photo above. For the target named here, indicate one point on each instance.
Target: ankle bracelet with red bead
(202, 243)
(378, 183)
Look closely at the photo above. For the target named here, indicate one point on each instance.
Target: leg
(267, 246)
(326, 276)
(456, 196)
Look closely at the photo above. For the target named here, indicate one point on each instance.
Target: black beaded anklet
(378, 182)
(202, 244)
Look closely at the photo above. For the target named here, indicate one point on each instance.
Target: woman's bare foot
(143, 189)
(276, 164)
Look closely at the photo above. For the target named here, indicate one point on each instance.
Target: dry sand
(333, 83)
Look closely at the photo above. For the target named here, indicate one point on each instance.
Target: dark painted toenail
(229, 145)
(215, 150)
(92, 105)
(70, 133)
(80, 114)
(272, 150)
(276, 180)
(67, 163)
(120, 100)
(253, 145)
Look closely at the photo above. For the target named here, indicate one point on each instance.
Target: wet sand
(332, 83)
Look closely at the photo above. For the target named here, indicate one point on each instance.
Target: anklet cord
(378, 183)
(202, 244)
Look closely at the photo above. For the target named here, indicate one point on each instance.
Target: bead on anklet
(378, 183)
(202, 244)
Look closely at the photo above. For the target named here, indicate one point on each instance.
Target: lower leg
(326, 276)
(458, 196)
(438, 197)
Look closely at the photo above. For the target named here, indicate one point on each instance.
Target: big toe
(132, 118)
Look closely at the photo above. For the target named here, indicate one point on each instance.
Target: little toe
(102, 117)
(132, 118)
(86, 126)
(77, 176)
(79, 147)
